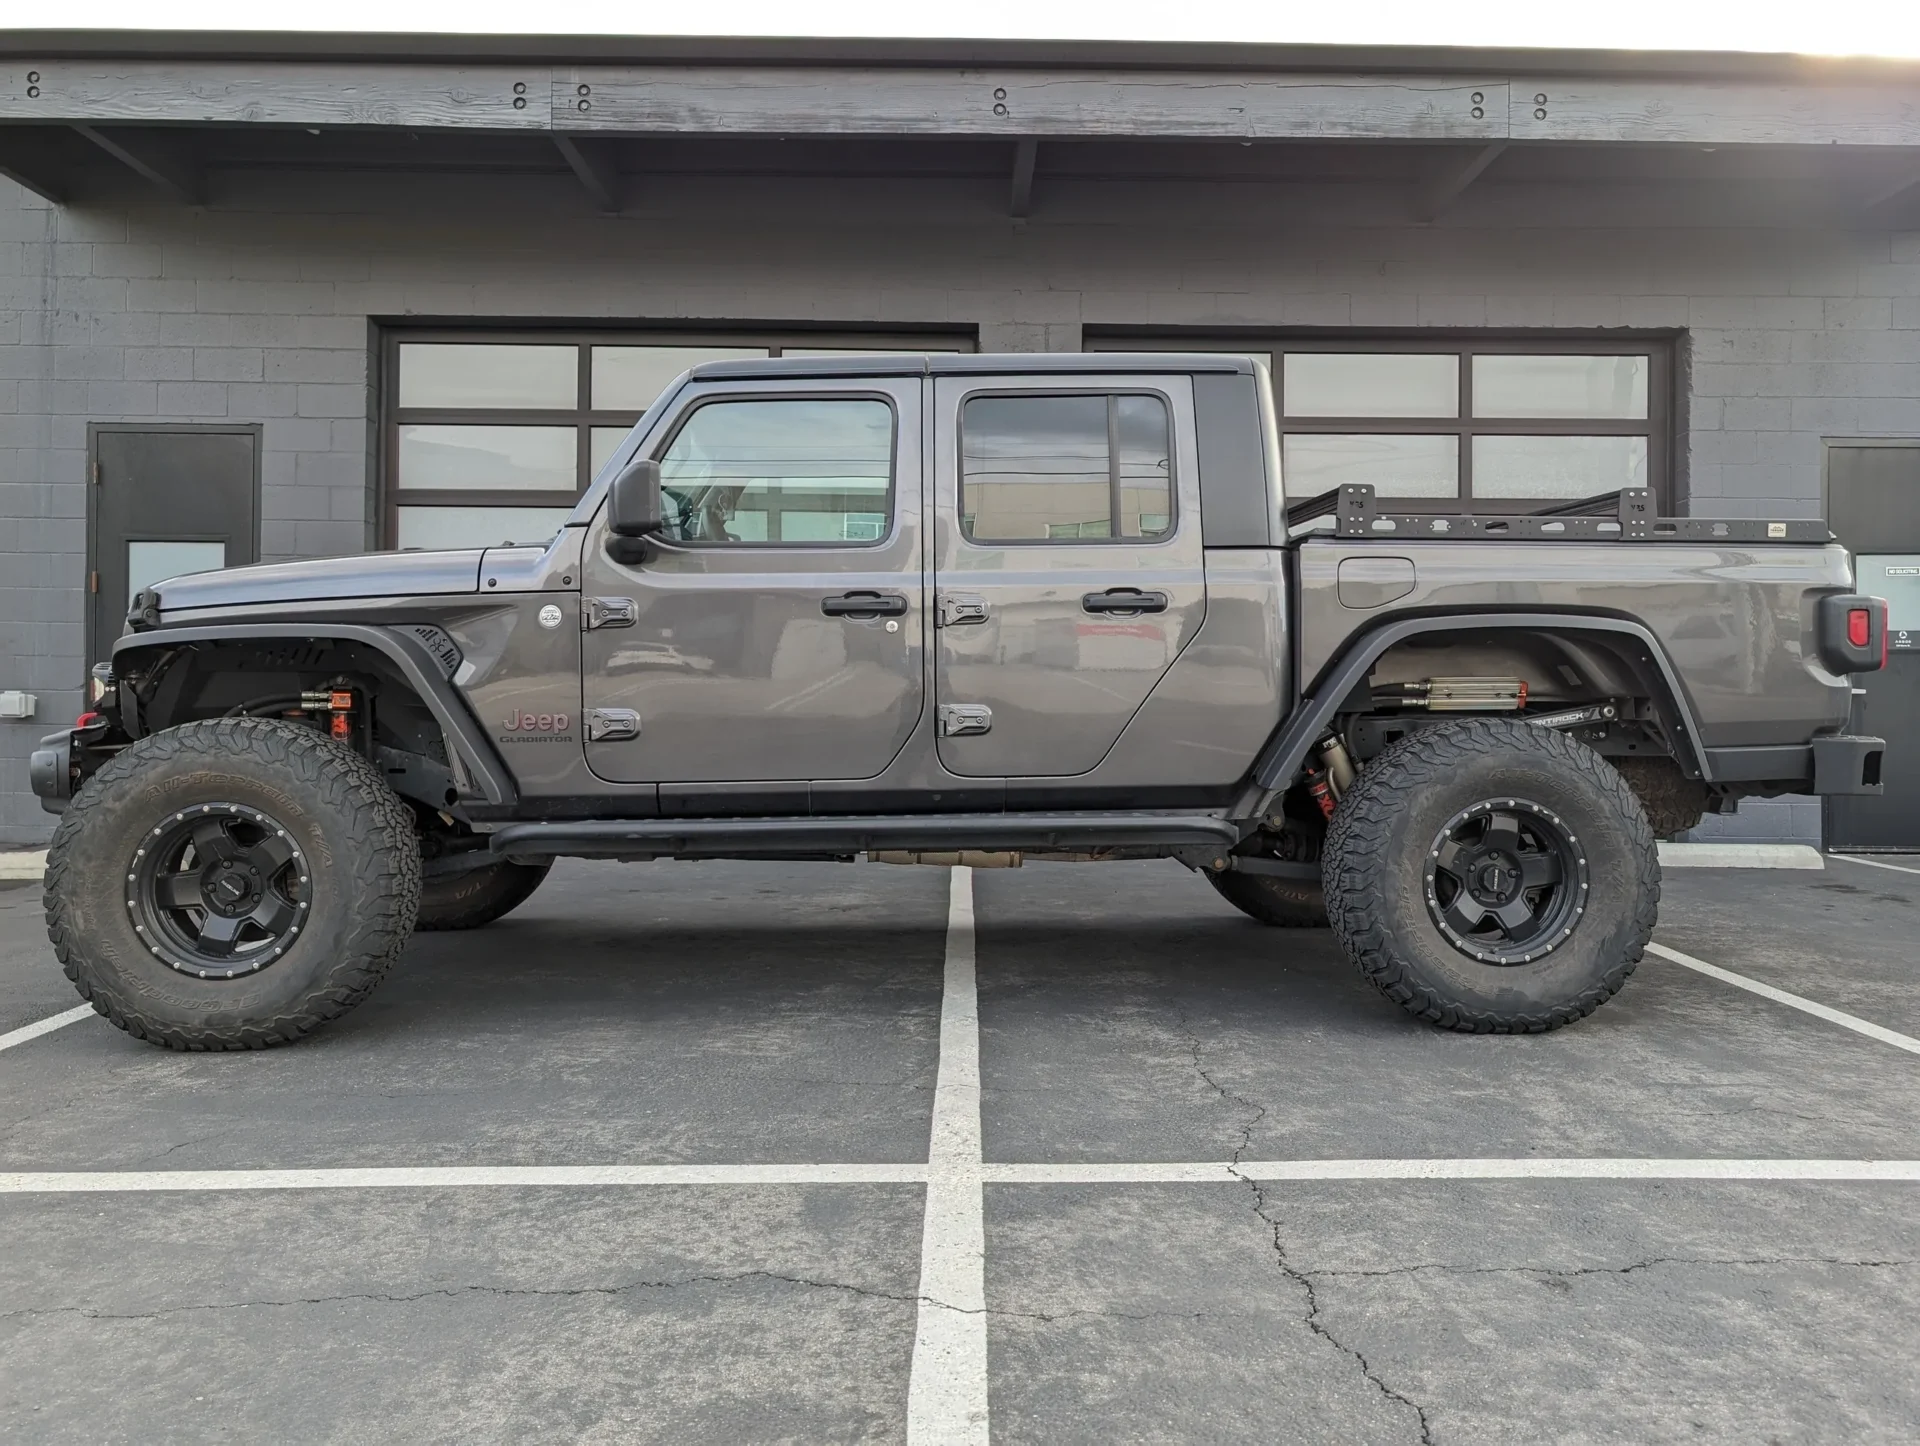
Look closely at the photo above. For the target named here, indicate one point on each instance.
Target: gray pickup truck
(978, 610)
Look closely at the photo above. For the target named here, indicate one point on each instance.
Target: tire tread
(380, 861)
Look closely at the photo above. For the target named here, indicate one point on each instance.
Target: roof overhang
(138, 97)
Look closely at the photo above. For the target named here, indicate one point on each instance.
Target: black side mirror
(633, 510)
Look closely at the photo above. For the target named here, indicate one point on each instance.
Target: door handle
(864, 605)
(1124, 600)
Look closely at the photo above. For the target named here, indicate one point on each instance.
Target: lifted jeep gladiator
(978, 610)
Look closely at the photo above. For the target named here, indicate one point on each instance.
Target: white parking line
(947, 1388)
(45, 1026)
(1223, 1172)
(446, 1177)
(1875, 864)
(1794, 1001)
(1152, 1172)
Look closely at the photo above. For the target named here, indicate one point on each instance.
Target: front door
(774, 633)
(1068, 565)
(1873, 500)
(165, 501)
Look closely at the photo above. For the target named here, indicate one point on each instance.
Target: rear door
(1068, 567)
(774, 634)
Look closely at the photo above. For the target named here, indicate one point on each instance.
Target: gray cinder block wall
(259, 309)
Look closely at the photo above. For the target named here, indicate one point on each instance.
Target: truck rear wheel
(1281, 903)
(479, 896)
(231, 884)
(1492, 876)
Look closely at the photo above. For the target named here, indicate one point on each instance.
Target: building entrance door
(165, 500)
(1873, 501)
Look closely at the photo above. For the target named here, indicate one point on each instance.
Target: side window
(767, 471)
(1066, 469)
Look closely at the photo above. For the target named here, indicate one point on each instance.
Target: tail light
(1852, 633)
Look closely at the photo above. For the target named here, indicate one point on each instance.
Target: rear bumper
(1847, 763)
(1835, 763)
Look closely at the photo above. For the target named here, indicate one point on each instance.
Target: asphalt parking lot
(690, 1152)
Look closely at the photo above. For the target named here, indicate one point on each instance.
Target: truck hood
(374, 574)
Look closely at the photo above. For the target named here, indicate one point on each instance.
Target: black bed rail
(1629, 518)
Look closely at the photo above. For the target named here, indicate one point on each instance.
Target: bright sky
(1828, 27)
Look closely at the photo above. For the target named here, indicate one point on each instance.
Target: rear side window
(792, 471)
(1066, 469)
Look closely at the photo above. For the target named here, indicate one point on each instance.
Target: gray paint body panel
(735, 671)
(374, 574)
(1062, 683)
(1736, 622)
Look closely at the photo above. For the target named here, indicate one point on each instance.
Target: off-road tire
(466, 901)
(1281, 903)
(353, 832)
(1377, 860)
(1673, 802)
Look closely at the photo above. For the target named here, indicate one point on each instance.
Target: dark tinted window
(1066, 469)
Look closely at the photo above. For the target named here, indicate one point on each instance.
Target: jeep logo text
(518, 722)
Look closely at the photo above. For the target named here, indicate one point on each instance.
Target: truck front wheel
(231, 884)
(1492, 876)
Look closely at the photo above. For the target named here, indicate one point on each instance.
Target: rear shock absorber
(1330, 781)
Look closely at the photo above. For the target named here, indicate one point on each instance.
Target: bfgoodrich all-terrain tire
(479, 896)
(1492, 876)
(231, 884)
(1282, 903)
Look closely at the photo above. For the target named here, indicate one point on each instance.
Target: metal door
(775, 633)
(1873, 501)
(1068, 567)
(165, 501)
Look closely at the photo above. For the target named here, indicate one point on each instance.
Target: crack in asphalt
(389, 1298)
(1287, 1268)
(451, 1291)
(1440, 1268)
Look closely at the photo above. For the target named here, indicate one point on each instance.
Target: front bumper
(1848, 763)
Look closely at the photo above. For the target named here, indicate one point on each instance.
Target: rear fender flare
(407, 654)
(1281, 759)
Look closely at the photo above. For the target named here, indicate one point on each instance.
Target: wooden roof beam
(168, 172)
(599, 179)
(1440, 194)
(1025, 153)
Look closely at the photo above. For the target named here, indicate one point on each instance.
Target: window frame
(1661, 427)
(1160, 539)
(701, 402)
(389, 416)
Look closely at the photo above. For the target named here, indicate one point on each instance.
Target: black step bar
(774, 837)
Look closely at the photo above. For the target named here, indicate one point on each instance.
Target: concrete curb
(1740, 856)
(23, 864)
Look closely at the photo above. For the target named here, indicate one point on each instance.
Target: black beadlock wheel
(1492, 876)
(231, 884)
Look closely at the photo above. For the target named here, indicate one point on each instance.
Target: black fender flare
(1281, 759)
(408, 654)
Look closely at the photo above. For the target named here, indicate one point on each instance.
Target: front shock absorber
(336, 702)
